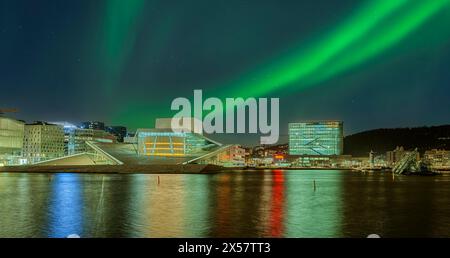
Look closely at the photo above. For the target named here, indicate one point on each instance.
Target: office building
(43, 141)
(81, 136)
(69, 130)
(75, 138)
(321, 138)
(11, 140)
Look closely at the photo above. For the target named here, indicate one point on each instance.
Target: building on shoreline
(437, 159)
(392, 157)
(316, 138)
(75, 138)
(79, 137)
(11, 140)
(163, 142)
(69, 129)
(151, 146)
(43, 141)
(317, 144)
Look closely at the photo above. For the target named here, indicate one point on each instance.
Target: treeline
(383, 140)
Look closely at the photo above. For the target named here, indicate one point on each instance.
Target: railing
(104, 153)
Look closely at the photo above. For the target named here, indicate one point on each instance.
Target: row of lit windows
(322, 138)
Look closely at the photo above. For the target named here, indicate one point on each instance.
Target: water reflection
(166, 205)
(23, 202)
(277, 205)
(238, 204)
(399, 207)
(314, 212)
(66, 206)
(197, 214)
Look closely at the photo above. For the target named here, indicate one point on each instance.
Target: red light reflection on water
(277, 204)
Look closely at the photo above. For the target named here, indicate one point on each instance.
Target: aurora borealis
(355, 37)
(371, 63)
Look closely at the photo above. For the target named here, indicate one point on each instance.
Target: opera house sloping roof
(132, 153)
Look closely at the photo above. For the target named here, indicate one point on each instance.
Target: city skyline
(284, 135)
(225, 123)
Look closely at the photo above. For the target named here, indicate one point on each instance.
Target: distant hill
(383, 140)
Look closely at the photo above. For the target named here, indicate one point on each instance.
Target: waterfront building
(151, 147)
(282, 160)
(119, 131)
(313, 161)
(164, 142)
(81, 136)
(11, 140)
(438, 159)
(75, 138)
(330, 161)
(96, 125)
(43, 141)
(371, 159)
(322, 138)
(392, 157)
(233, 156)
(69, 142)
(260, 161)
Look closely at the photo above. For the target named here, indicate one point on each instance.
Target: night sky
(369, 63)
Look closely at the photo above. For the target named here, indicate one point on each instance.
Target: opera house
(158, 149)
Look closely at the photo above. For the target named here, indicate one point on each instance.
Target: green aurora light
(373, 28)
(120, 28)
(363, 36)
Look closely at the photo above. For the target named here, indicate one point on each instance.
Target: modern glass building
(163, 142)
(316, 138)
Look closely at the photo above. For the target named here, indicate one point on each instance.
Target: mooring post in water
(314, 184)
(158, 180)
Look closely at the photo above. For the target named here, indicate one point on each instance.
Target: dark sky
(369, 63)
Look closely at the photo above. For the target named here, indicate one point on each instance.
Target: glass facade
(165, 143)
(316, 138)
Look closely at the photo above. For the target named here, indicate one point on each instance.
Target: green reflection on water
(313, 213)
